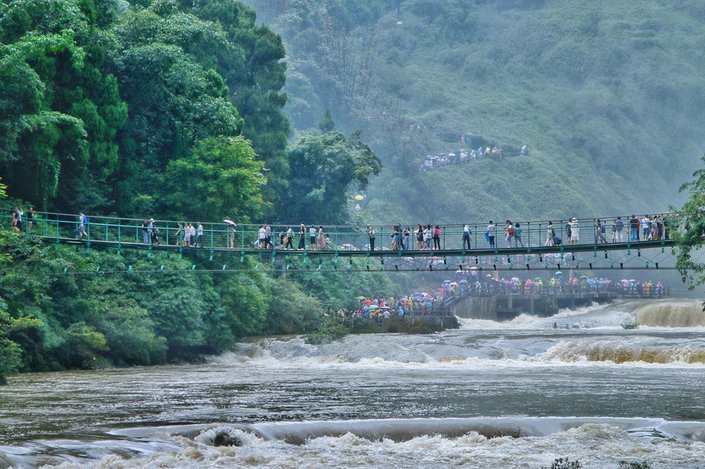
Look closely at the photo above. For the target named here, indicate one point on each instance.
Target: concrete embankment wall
(507, 307)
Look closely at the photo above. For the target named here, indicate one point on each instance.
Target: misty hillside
(607, 96)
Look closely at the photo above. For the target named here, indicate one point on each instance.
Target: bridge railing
(339, 237)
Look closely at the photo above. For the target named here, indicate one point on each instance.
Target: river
(512, 395)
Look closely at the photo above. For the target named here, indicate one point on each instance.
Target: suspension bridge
(344, 242)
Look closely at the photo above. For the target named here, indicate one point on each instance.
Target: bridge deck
(377, 253)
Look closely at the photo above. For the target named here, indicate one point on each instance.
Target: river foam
(429, 443)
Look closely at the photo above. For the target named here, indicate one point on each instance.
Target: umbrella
(230, 222)
(453, 283)
(446, 281)
(373, 307)
(463, 282)
(558, 273)
(359, 197)
(417, 293)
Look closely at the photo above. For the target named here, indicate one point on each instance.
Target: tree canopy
(324, 170)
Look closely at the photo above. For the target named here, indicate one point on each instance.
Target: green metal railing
(62, 227)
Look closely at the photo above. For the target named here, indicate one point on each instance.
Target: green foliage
(219, 179)
(326, 124)
(324, 169)
(634, 465)
(607, 97)
(688, 230)
(565, 463)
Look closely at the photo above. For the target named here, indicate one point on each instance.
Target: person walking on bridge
(599, 232)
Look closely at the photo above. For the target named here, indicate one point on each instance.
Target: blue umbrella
(463, 281)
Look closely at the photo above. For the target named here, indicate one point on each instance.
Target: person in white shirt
(491, 231)
(261, 237)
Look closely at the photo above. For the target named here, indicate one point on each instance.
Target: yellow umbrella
(359, 197)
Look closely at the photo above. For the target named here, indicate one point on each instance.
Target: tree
(220, 178)
(324, 169)
(326, 124)
(687, 228)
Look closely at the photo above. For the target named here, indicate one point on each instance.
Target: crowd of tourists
(464, 156)
(472, 283)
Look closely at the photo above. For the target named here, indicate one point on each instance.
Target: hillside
(607, 96)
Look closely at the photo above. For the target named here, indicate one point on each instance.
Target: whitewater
(519, 394)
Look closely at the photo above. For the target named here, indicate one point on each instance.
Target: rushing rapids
(516, 394)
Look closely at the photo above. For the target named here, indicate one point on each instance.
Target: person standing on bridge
(199, 238)
(145, 231)
(437, 238)
(177, 235)
(466, 236)
(619, 227)
(574, 232)
(289, 236)
(372, 235)
(302, 237)
(261, 237)
(30, 219)
(517, 235)
(491, 231)
(646, 227)
(312, 235)
(419, 237)
(509, 228)
(550, 234)
(321, 238)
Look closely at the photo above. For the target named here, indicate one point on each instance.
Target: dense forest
(280, 111)
(169, 109)
(607, 97)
